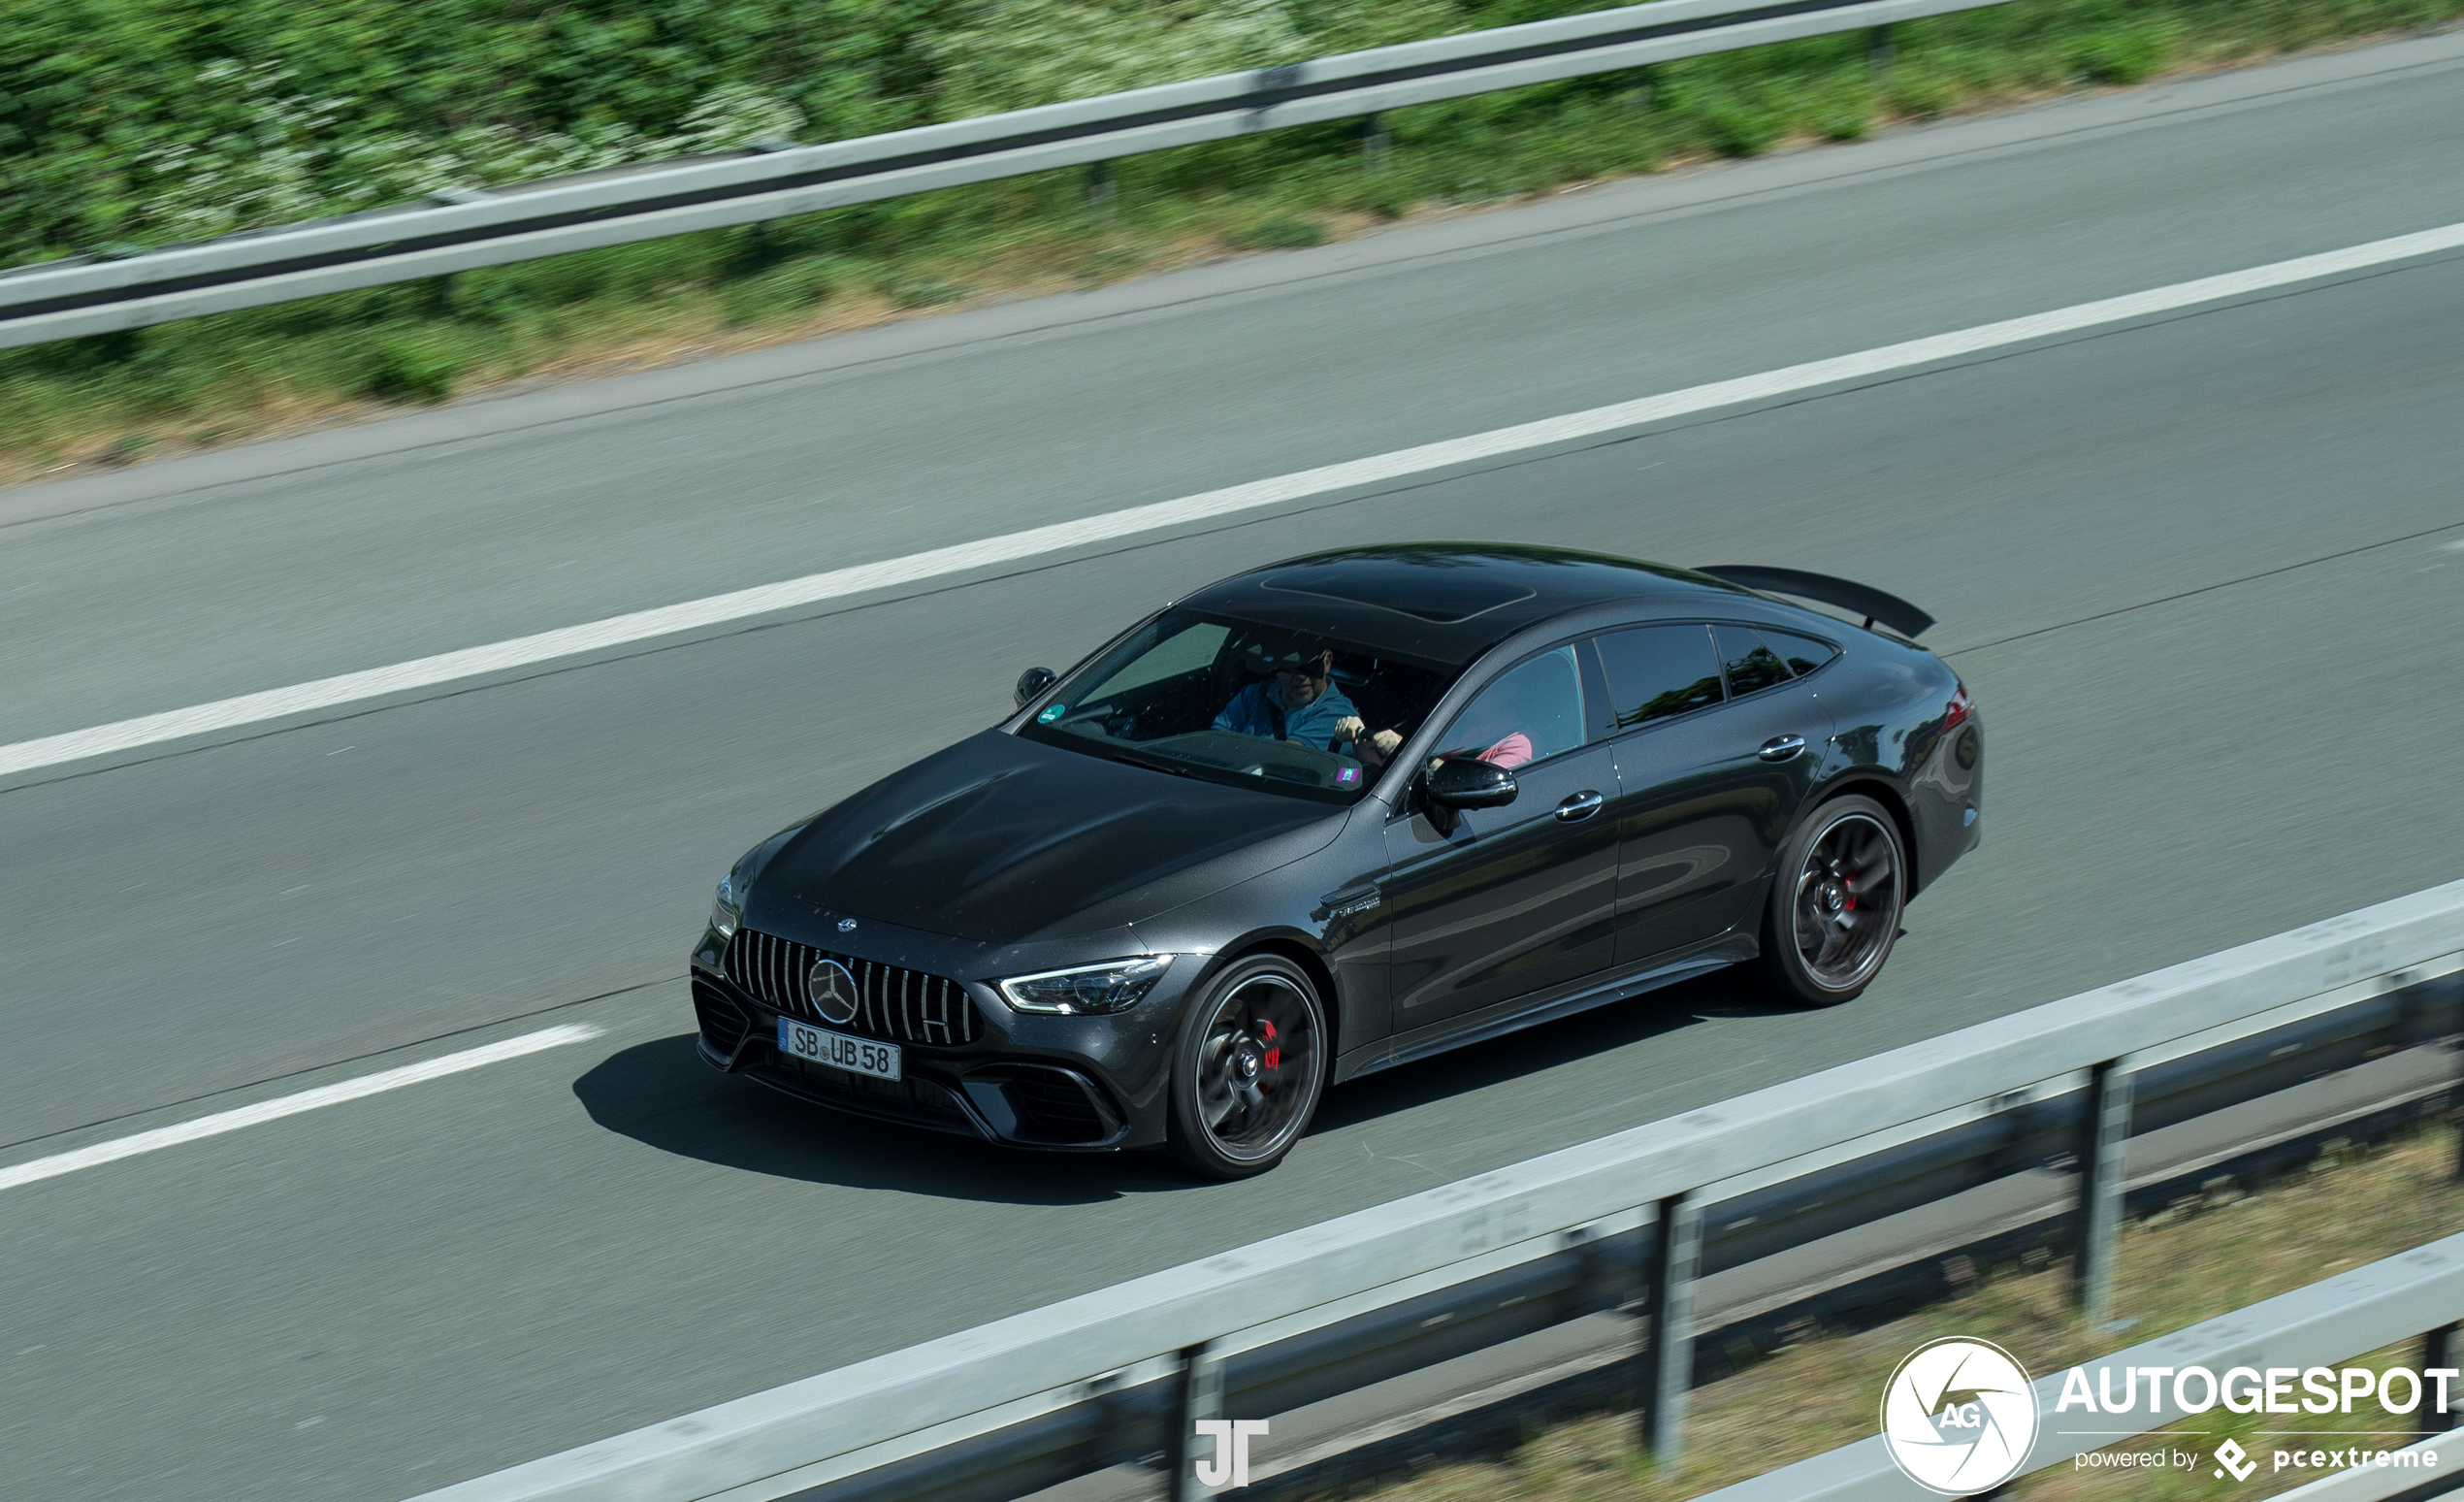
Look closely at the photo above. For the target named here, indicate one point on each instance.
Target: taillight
(1956, 713)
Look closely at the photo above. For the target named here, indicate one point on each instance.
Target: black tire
(1835, 904)
(1249, 1068)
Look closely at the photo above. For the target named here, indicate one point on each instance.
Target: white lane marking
(1036, 542)
(321, 1096)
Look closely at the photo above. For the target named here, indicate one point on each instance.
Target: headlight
(1115, 986)
(729, 910)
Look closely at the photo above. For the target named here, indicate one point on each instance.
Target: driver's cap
(1290, 659)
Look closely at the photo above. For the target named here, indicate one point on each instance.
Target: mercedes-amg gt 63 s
(1339, 814)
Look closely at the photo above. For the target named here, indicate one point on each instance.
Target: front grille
(892, 1001)
(723, 1021)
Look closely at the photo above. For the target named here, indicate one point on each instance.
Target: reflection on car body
(1338, 813)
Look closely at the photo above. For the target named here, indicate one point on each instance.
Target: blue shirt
(1313, 724)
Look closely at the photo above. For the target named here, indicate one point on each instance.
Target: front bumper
(1052, 1083)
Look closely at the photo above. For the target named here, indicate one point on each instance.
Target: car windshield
(1243, 703)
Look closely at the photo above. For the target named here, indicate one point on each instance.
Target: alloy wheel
(1257, 1067)
(1846, 909)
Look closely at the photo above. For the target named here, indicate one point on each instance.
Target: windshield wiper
(1155, 763)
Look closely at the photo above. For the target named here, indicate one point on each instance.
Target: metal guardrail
(2416, 1292)
(1040, 1396)
(61, 300)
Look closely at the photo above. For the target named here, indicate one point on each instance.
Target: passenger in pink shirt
(1513, 751)
(1494, 714)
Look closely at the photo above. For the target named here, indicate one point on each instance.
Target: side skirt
(1717, 954)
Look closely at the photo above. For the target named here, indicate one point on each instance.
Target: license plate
(821, 1046)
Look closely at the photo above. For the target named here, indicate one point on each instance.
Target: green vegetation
(2205, 1255)
(126, 124)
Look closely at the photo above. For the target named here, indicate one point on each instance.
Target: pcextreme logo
(1959, 1416)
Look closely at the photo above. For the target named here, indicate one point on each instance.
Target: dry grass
(2204, 1258)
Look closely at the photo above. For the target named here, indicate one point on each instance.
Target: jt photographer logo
(1959, 1416)
(1231, 1459)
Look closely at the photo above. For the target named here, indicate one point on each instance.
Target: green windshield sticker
(1051, 713)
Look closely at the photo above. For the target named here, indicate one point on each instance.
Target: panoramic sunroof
(1430, 592)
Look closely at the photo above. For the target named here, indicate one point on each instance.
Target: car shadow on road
(661, 1094)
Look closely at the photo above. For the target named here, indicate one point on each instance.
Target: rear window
(1804, 654)
(1655, 671)
(1749, 661)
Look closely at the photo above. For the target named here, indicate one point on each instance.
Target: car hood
(1000, 840)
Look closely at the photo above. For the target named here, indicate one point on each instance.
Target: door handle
(1781, 748)
(1581, 805)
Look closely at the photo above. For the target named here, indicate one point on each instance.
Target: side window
(1655, 671)
(1804, 654)
(1534, 710)
(1751, 664)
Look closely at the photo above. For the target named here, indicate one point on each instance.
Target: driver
(1301, 704)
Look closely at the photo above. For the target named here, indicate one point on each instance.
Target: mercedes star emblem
(833, 991)
(847, 926)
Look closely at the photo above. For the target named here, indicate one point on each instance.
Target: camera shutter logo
(832, 989)
(1959, 1416)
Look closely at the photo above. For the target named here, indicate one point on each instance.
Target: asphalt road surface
(2205, 578)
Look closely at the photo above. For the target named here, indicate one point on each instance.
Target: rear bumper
(986, 1090)
(1947, 798)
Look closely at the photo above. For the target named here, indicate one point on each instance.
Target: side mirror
(1034, 681)
(1463, 782)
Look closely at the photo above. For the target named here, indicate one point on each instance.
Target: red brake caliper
(1266, 1035)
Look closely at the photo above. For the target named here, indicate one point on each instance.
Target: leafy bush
(923, 291)
(1743, 127)
(2124, 55)
(1282, 232)
(412, 365)
(787, 289)
(1844, 115)
(1387, 195)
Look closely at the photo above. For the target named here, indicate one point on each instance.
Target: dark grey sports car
(1339, 814)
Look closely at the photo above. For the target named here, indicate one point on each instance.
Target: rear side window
(1751, 664)
(1655, 671)
(1804, 654)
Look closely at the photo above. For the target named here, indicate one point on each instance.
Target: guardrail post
(2104, 1145)
(1374, 142)
(1668, 1350)
(2439, 1349)
(1100, 184)
(1882, 49)
(1200, 1396)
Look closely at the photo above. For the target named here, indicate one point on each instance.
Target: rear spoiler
(1848, 594)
